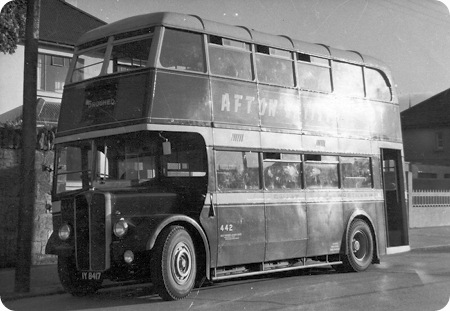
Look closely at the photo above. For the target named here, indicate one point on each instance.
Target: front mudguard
(143, 234)
(57, 247)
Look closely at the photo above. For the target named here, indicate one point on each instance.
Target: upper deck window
(89, 64)
(313, 73)
(230, 58)
(129, 55)
(274, 66)
(377, 85)
(126, 51)
(182, 50)
(348, 79)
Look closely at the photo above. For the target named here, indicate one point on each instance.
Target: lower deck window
(241, 170)
(321, 171)
(321, 175)
(356, 172)
(282, 171)
(237, 170)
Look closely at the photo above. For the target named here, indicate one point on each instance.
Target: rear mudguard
(362, 215)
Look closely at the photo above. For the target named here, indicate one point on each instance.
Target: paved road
(418, 280)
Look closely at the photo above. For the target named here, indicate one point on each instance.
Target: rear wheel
(359, 248)
(71, 281)
(174, 265)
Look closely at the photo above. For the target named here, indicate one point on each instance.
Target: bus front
(119, 179)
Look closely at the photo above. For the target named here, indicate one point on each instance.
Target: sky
(411, 36)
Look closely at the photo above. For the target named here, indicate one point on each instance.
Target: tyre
(70, 280)
(359, 246)
(174, 266)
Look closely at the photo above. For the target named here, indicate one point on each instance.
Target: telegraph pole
(27, 171)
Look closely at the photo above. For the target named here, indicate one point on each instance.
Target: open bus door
(395, 203)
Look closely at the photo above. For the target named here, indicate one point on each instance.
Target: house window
(439, 141)
(51, 72)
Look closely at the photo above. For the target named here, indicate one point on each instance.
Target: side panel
(381, 227)
(208, 220)
(279, 108)
(241, 228)
(325, 227)
(388, 126)
(181, 98)
(235, 102)
(367, 202)
(358, 122)
(319, 114)
(286, 227)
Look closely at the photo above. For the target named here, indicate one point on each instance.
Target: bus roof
(241, 33)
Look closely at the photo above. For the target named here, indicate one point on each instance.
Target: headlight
(64, 232)
(120, 228)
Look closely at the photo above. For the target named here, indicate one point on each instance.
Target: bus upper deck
(169, 68)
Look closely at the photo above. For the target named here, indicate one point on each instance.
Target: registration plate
(90, 275)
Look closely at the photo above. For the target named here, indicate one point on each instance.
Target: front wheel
(359, 248)
(70, 280)
(174, 265)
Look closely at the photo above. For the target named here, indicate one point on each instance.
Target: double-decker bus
(189, 150)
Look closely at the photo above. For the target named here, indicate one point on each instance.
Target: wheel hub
(356, 246)
(181, 263)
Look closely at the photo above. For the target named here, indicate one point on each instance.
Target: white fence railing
(431, 198)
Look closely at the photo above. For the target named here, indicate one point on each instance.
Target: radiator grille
(82, 232)
(98, 237)
(90, 233)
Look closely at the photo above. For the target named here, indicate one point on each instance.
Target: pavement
(44, 278)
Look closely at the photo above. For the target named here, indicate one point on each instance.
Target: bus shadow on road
(116, 295)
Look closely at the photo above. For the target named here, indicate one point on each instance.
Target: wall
(422, 217)
(9, 205)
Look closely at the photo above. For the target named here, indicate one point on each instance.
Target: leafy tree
(12, 25)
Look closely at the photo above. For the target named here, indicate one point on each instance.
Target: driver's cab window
(183, 156)
(125, 159)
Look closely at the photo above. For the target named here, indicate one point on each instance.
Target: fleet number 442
(227, 227)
